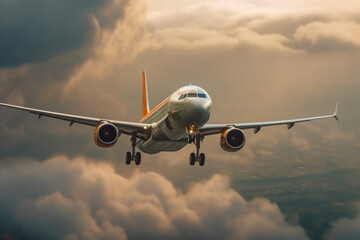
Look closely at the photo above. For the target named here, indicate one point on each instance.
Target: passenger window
(201, 95)
(192, 95)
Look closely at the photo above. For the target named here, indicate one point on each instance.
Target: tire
(202, 159)
(192, 159)
(128, 158)
(138, 158)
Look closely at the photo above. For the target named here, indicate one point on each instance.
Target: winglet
(336, 111)
(145, 100)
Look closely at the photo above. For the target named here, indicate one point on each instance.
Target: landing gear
(198, 157)
(202, 159)
(130, 156)
(192, 159)
(138, 158)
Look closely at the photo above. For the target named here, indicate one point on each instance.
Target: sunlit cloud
(74, 199)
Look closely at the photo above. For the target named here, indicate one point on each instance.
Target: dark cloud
(63, 199)
(33, 31)
(46, 84)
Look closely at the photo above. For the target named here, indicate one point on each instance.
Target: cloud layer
(63, 199)
(231, 24)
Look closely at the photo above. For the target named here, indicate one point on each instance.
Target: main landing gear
(196, 157)
(130, 156)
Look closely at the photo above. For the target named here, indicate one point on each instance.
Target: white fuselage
(179, 115)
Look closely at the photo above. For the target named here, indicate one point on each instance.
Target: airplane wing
(209, 129)
(141, 129)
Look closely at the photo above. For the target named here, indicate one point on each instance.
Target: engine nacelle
(232, 140)
(106, 135)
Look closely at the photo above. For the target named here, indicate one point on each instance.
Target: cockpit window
(182, 96)
(192, 95)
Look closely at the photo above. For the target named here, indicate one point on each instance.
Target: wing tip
(336, 111)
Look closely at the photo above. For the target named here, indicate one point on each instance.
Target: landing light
(145, 127)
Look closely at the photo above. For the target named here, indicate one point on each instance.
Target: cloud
(201, 43)
(280, 27)
(116, 47)
(63, 199)
(56, 215)
(211, 24)
(33, 31)
(194, 38)
(345, 228)
(254, 66)
(52, 83)
(330, 35)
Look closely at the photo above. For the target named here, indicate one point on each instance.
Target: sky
(258, 60)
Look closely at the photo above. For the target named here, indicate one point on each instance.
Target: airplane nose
(197, 112)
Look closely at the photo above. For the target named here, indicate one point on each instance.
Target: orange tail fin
(145, 100)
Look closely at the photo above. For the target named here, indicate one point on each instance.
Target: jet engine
(106, 135)
(232, 140)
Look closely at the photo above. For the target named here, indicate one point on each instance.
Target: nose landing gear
(130, 156)
(198, 157)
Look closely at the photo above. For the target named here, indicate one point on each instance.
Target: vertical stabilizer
(145, 100)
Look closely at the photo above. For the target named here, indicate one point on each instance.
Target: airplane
(179, 120)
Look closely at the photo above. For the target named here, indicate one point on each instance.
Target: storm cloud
(49, 83)
(34, 31)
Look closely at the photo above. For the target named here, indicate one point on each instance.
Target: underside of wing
(210, 129)
(141, 129)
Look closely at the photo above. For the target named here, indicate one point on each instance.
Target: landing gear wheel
(128, 158)
(138, 158)
(196, 157)
(202, 159)
(192, 159)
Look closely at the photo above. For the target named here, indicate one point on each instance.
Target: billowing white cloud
(64, 199)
